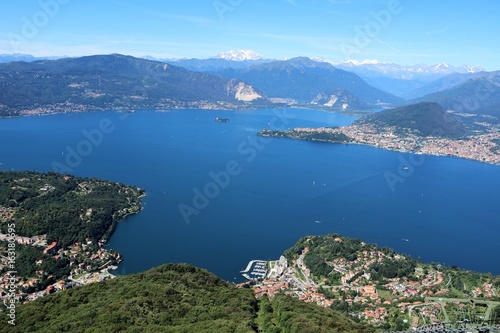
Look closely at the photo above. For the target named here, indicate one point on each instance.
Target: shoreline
(355, 113)
(106, 242)
(88, 260)
(356, 142)
(159, 108)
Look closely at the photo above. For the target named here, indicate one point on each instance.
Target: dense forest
(67, 209)
(50, 207)
(173, 298)
(109, 82)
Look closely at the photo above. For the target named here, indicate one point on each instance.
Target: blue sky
(406, 32)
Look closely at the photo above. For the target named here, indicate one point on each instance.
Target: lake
(219, 196)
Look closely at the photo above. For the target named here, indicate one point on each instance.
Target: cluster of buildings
(403, 287)
(6, 213)
(378, 314)
(475, 148)
(306, 293)
(270, 288)
(87, 266)
(56, 108)
(311, 295)
(357, 286)
(82, 263)
(478, 147)
(84, 260)
(282, 278)
(487, 291)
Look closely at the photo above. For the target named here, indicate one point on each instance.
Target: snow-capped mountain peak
(470, 69)
(441, 67)
(239, 55)
(350, 62)
(402, 72)
(319, 59)
(363, 62)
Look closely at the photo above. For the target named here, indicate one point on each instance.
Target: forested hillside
(173, 298)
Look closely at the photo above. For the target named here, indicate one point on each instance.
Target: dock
(255, 270)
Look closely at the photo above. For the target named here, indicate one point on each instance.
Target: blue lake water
(441, 209)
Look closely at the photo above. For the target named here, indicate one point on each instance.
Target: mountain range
(24, 57)
(403, 81)
(477, 93)
(239, 79)
(115, 81)
(308, 81)
(239, 55)
(395, 71)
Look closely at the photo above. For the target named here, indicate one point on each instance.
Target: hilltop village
(419, 294)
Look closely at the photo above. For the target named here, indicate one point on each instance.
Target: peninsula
(378, 286)
(53, 228)
(424, 128)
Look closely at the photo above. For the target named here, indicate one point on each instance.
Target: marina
(255, 270)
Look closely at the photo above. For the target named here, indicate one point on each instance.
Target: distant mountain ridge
(402, 81)
(213, 65)
(306, 81)
(477, 93)
(403, 72)
(407, 82)
(115, 81)
(235, 79)
(24, 57)
(239, 55)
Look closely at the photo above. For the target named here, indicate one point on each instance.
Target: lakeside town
(480, 147)
(427, 297)
(127, 104)
(87, 265)
(38, 265)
